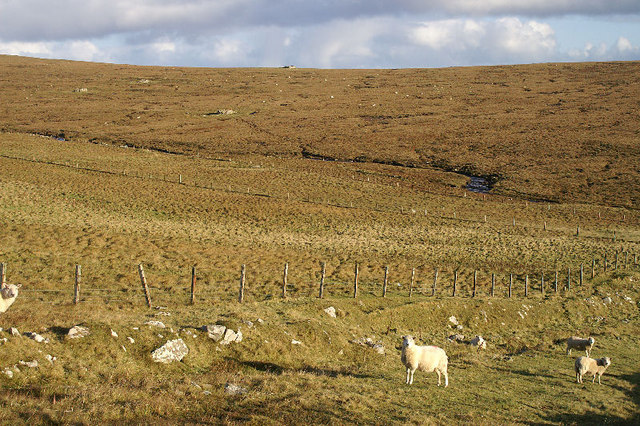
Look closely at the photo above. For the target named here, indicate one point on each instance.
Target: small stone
(78, 332)
(453, 320)
(229, 337)
(206, 393)
(30, 364)
(153, 323)
(35, 336)
(378, 348)
(215, 331)
(50, 358)
(607, 300)
(114, 334)
(14, 332)
(260, 321)
(479, 342)
(130, 339)
(8, 373)
(123, 348)
(173, 350)
(4, 340)
(331, 311)
(456, 338)
(233, 389)
(295, 342)
(459, 327)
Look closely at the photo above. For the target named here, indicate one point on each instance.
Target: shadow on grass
(278, 370)
(524, 373)
(593, 418)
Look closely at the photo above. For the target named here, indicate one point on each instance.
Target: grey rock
(30, 364)
(35, 336)
(154, 323)
(607, 300)
(7, 372)
(479, 342)
(215, 331)
(14, 332)
(456, 338)
(233, 389)
(78, 332)
(229, 337)
(173, 350)
(331, 311)
(453, 320)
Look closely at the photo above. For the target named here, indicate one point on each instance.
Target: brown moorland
(560, 132)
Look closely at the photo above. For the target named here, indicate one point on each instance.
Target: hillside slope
(563, 132)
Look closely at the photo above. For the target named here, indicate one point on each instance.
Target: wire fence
(437, 283)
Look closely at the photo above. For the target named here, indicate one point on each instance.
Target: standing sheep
(586, 345)
(588, 365)
(8, 295)
(423, 358)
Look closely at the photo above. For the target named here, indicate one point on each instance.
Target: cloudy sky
(322, 33)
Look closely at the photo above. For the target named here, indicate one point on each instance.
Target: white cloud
(25, 48)
(622, 49)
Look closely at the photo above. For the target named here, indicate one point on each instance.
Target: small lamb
(586, 345)
(588, 365)
(423, 358)
(8, 295)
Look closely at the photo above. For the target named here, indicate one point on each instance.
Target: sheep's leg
(577, 377)
(599, 375)
(438, 373)
(408, 372)
(446, 379)
(411, 381)
(568, 351)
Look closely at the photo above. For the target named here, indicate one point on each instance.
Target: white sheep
(588, 365)
(423, 358)
(574, 342)
(8, 295)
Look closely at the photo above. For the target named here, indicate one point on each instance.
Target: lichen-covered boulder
(173, 350)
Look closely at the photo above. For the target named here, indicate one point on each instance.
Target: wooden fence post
(581, 273)
(3, 274)
(593, 268)
(242, 280)
(455, 282)
(542, 283)
(510, 283)
(413, 274)
(143, 280)
(475, 282)
(526, 285)
(76, 287)
(355, 282)
(285, 273)
(555, 283)
(578, 231)
(435, 281)
(493, 284)
(384, 284)
(324, 270)
(193, 285)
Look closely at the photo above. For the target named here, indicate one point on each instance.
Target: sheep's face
(591, 341)
(407, 341)
(9, 292)
(606, 361)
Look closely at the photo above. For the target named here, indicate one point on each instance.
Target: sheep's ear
(19, 285)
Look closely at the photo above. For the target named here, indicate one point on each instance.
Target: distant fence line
(178, 179)
(523, 283)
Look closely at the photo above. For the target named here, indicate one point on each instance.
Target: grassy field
(139, 169)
